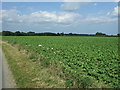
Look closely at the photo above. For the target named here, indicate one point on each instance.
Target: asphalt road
(6, 77)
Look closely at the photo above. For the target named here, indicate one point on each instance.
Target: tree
(58, 34)
(62, 34)
(0, 33)
(17, 33)
(100, 34)
(31, 33)
(7, 33)
(70, 34)
(118, 34)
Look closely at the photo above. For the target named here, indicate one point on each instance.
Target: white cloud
(68, 17)
(39, 17)
(9, 15)
(100, 19)
(44, 16)
(116, 11)
(47, 20)
(70, 6)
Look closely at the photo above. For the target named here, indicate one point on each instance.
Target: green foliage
(83, 59)
(86, 81)
(44, 62)
(100, 34)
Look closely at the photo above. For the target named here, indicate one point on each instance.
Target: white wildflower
(51, 48)
(39, 45)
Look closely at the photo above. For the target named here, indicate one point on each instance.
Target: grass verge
(29, 74)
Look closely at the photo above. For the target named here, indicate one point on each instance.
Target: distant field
(84, 61)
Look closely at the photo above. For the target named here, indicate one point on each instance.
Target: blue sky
(75, 17)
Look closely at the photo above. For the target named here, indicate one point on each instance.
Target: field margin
(29, 74)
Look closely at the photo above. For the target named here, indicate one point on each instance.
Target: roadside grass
(29, 74)
(0, 41)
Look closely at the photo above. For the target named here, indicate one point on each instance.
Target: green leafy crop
(84, 60)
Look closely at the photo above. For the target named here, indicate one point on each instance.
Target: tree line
(18, 33)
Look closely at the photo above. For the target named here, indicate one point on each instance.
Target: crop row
(85, 60)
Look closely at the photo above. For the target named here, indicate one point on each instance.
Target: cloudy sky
(75, 17)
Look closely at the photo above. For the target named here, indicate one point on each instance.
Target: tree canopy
(18, 33)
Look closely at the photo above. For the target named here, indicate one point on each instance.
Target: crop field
(84, 61)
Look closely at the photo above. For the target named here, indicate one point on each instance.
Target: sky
(67, 17)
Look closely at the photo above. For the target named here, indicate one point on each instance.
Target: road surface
(6, 77)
